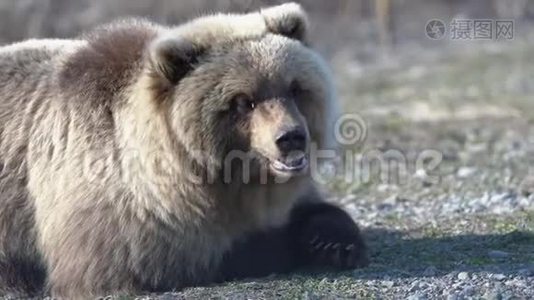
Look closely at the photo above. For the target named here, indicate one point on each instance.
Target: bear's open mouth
(293, 164)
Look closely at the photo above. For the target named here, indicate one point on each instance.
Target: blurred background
(338, 25)
(422, 75)
(354, 35)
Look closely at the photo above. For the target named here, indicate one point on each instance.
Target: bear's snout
(293, 139)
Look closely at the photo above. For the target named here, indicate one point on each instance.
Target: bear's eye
(295, 89)
(243, 103)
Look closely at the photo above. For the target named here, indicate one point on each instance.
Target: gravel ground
(462, 230)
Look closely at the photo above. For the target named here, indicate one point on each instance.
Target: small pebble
(416, 296)
(463, 275)
(427, 183)
(465, 172)
(414, 286)
(498, 277)
(310, 296)
(507, 295)
(492, 295)
(468, 290)
(453, 296)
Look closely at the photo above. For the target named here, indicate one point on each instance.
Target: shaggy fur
(113, 157)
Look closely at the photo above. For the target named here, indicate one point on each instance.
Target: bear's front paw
(338, 255)
(331, 242)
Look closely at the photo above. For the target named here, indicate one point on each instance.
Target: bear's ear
(173, 58)
(288, 19)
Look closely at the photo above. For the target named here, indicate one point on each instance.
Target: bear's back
(25, 69)
(22, 60)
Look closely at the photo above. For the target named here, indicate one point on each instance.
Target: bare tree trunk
(383, 13)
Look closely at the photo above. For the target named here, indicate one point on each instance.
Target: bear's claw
(337, 254)
(328, 237)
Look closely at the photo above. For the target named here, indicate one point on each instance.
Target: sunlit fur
(99, 165)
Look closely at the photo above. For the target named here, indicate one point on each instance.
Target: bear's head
(263, 98)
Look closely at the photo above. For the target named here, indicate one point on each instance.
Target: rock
(463, 275)
(498, 277)
(384, 206)
(496, 254)
(370, 282)
(310, 296)
(508, 295)
(468, 290)
(465, 172)
(453, 296)
(427, 183)
(414, 286)
(424, 285)
(492, 295)
(388, 284)
(417, 296)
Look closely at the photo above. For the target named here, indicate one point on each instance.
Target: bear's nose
(293, 139)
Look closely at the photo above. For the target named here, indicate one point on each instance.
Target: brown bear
(141, 158)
